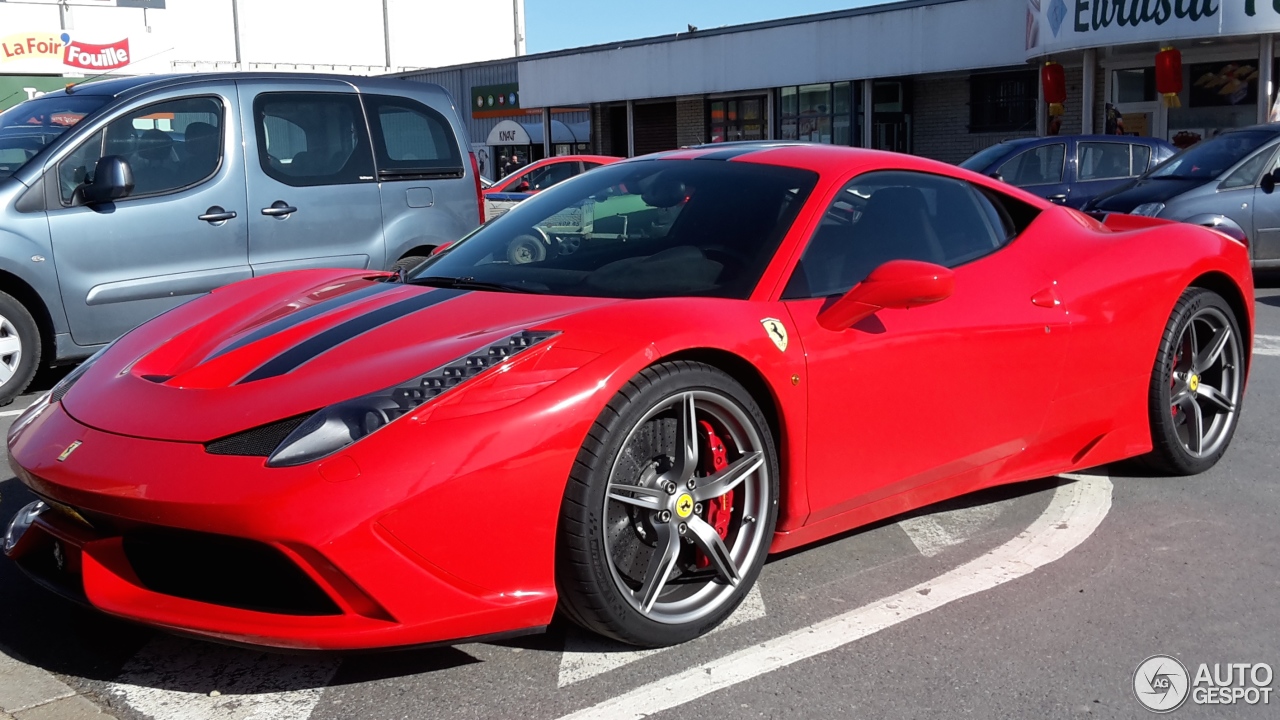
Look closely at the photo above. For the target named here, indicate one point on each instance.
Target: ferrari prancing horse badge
(776, 332)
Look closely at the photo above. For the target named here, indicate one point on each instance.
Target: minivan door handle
(279, 208)
(217, 215)
(1059, 199)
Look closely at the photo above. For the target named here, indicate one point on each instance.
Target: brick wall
(691, 120)
(941, 119)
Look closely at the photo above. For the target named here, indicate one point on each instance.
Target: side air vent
(258, 442)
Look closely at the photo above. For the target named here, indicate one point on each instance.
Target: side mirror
(1268, 183)
(112, 180)
(997, 176)
(897, 284)
(523, 186)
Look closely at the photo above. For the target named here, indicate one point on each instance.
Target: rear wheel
(19, 348)
(1197, 385)
(408, 263)
(670, 508)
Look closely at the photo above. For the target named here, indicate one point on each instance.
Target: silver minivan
(123, 198)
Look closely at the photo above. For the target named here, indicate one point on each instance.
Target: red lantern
(1054, 79)
(1169, 76)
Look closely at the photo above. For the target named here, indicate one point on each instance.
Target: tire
(615, 551)
(19, 348)
(408, 263)
(525, 249)
(1197, 385)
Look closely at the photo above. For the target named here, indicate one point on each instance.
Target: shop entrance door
(1144, 119)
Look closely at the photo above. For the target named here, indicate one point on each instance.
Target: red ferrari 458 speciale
(617, 399)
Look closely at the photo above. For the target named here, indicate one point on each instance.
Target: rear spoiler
(1119, 222)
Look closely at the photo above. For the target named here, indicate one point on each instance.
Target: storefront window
(1003, 102)
(737, 119)
(829, 113)
(1135, 85)
(1217, 96)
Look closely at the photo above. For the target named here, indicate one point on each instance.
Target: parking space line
(1076, 510)
(11, 413)
(587, 655)
(1266, 345)
(935, 532)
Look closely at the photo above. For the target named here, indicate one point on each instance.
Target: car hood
(1142, 191)
(284, 345)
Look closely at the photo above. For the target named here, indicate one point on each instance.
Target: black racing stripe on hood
(288, 321)
(312, 348)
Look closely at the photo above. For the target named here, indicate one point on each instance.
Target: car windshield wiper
(469, 283)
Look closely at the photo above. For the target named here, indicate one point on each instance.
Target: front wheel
(1196, 386)
(670, 508)
(19, 348)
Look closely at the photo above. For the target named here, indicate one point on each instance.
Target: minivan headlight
(337, 426)
(1148, 209)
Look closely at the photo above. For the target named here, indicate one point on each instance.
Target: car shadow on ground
(1266, 279)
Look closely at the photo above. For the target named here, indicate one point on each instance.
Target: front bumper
(327, 556)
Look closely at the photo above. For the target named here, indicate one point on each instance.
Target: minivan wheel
(19, 348)
(408, 263)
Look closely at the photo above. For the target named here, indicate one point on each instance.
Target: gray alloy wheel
(1197, 385)
(670, 509)
(10, 350)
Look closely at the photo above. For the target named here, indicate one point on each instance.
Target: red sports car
(754, 347)
(527, 181)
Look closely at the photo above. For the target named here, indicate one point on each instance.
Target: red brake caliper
(719, 510)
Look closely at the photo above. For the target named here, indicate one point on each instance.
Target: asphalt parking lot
(1038, 600)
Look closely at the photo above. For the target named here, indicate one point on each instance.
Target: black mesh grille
(222, 570)
(60, 392)
(258, 442)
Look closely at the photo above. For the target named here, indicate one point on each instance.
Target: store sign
(1059, 25)
(36, 52)
(495, 100)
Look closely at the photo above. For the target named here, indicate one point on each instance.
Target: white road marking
(173, 678)
(11, 413)
(587, 655)
(1266, 345)
(1073, 514)
(938, 531)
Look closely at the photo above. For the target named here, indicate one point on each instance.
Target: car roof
(125, 86)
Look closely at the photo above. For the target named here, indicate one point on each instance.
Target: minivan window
(26, 128)
(307, 139)
(1213, 157)
(411, 140)
(169, 145)
(1037, 166)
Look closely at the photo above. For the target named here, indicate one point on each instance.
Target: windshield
(1213, 157)
(659, 228)
(982, 159)
(26, 128)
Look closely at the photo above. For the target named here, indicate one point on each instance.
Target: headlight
(1148, 209)
(340, 425)
(21, 522)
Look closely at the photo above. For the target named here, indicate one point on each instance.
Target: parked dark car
(1070, 169)
(1227, 182)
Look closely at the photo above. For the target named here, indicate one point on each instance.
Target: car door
(427, 199)
(1265, 225)
(181, 232)
(950, 391)
(1103, 165)
(1039, 170)
(313, 194)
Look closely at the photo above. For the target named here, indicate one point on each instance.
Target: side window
(513, 185)
(1141, 159)
(552, 174)
(883, 216)
(412, 141)
(1037, 166)
(1102, 160)
(590, 166)
(170, 146)
(1247, 175)
(307, 139)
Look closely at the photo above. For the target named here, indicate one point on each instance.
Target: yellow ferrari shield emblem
(684, 506)
(1194, 383)
(70, 449)
(776, 331)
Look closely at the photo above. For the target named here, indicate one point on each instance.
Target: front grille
(258, 442)
(223, 570)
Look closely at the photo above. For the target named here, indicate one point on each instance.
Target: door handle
(1059, 199)
(1047, 298)
(217, 215)
(279, 208)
